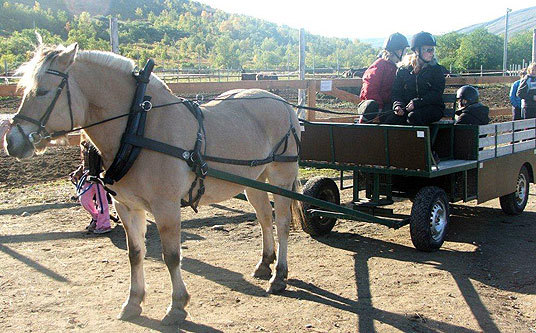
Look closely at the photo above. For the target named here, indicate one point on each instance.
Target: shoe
(102, 230)
(92, 225)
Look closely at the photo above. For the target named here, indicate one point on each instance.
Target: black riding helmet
(395, 42)
(469, 93)
(421, 39)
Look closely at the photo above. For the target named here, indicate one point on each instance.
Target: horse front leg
(168, 221)
(283, 217)
(135, 227)
(261, 203)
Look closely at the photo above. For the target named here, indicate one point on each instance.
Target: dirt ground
(55, 277)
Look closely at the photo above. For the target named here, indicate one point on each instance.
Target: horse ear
(66, 58)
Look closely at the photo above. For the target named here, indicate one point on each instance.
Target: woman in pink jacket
(378, 79)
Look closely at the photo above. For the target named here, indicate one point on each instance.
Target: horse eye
(41, 92)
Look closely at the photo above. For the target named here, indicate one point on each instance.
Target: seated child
(469, 110)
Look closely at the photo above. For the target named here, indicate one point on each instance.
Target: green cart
(433, 166)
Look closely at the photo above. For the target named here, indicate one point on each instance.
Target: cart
(433, 166)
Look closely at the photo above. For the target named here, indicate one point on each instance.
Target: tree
(520, 48)
(480, 48)
(447, 48)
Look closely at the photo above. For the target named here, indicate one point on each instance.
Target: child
(469, 110)
(92, 195)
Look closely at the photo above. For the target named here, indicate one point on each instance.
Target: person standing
(417, 91)
(514, 100)
(527, 93)
(378, 79)
(92, 196)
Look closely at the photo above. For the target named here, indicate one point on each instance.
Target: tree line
(187, 34)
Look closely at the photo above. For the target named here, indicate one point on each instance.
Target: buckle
(35, 138)
(146, 106)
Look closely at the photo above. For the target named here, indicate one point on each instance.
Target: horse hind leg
(283, 217)
(167, 217)
(261, 203)
(135, 227)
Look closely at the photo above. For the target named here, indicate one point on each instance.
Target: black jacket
(425, 88)
(474, 114)
(526, 91)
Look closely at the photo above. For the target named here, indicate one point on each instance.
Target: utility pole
(301, 92)
(533, 46)
(114, 35)
(505, 55)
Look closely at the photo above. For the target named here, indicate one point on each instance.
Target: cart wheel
(514, 203)
(430, 218)
(324, 189)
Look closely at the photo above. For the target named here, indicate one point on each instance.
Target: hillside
(518, 21)
(177, 33)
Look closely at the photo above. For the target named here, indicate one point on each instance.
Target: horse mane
(33, 70)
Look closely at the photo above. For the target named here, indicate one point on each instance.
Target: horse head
(51, 105)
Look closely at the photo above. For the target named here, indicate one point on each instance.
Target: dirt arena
(55, 277)
(362, 277)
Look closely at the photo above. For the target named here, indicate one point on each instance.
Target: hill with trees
(187, 34)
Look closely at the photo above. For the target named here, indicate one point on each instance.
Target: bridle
(36, 137)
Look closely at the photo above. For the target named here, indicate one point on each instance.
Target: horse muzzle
(17, 143)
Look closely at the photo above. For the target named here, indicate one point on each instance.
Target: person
(92, 196)
(378, 79)
(527, 93)
(514, 99)
(417, 91)
(469, 110)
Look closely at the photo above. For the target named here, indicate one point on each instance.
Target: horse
(65, 88)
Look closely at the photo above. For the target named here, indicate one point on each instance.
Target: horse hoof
(277, 287)
(262, 272)
(129, 311)
(174, 317)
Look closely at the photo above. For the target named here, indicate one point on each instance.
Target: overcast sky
(372, 19)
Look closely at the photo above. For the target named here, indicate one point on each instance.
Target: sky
(371, 18)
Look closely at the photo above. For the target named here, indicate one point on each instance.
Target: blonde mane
(33, 70)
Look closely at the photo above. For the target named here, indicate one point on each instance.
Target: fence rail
(330, 87)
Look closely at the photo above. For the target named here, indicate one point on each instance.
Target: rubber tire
(324, 189)
(421, 235)
(509, 203)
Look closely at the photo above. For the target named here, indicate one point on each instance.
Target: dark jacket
(474, 114)
(526, 91)
(425, 88)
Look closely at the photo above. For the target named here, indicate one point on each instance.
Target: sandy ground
(362, 277)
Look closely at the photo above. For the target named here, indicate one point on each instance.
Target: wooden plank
(219, 87)
(505, 138)
(500, 112)
(505, 150)
(505, 127)
(488, 141)
(463, 80)
(343, 95)
(525, 135)
(525, 145)
(486, 154)
(311, 101)
(522, 124)
(486, 129)
(9, 90)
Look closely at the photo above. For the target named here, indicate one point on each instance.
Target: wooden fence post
(311, 99)
(114, 35)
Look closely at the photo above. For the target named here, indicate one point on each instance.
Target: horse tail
(296, 207)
